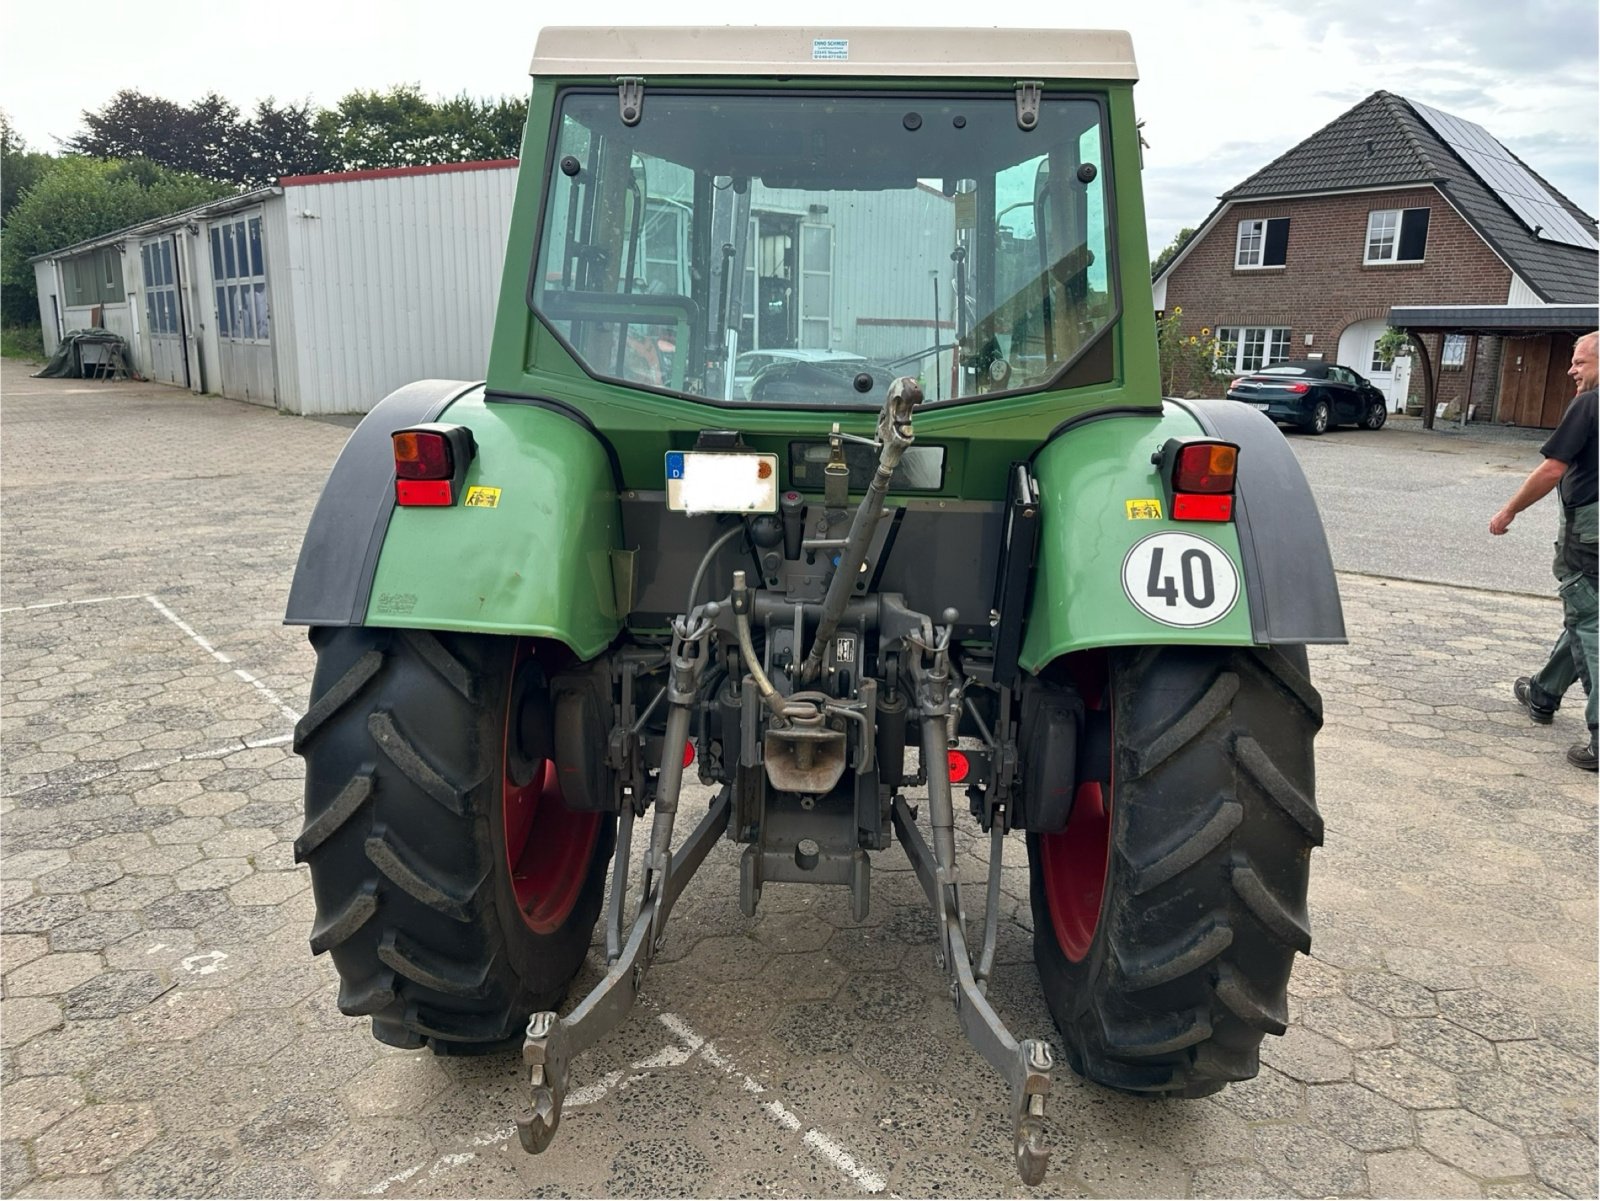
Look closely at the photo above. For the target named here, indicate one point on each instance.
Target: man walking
(1569, 461)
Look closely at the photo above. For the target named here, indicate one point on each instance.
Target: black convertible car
(1312, 396)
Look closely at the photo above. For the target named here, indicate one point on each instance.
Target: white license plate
(709, 481)
(1262, 407)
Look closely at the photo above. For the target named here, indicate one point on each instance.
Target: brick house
(1391, 204)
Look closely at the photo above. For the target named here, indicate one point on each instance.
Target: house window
(1455, 350)
(1263, 243)
(1242, 348)
(1397, 235)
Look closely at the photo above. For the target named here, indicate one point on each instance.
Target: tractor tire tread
(1189, 967)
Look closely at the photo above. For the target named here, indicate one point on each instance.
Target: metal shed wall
(390, 278)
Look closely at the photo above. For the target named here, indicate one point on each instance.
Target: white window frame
(239, 281)
(1383, 235)
(1253, 347)
(1454, 351)
(1251, 244)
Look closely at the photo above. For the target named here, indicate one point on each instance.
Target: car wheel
(1319, 419)
(1377, 414)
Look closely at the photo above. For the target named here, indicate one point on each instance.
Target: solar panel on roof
(1524, 195)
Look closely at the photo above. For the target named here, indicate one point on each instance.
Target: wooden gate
(1534, 388)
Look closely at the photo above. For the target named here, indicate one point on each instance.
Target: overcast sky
(1225, 86)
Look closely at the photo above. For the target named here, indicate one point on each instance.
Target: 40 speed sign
(1180, 579)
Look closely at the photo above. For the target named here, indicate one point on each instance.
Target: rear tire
(1321, 417)
(405, 747)
(1205, 841)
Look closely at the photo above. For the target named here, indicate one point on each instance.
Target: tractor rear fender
(1263, 578)
(526, 549)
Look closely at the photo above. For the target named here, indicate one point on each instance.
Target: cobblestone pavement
(164, 1030)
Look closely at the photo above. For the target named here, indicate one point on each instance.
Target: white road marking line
(841, 1159)
(589, 1093)
(820, 1144)
(205, 963)
(383, 1185)
(201, 642)
(93, 600)
(667, 1057)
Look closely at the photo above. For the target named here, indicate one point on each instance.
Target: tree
(198, 139)
(1158, 264)
(278, 141)
(81, 198)
(403, 128)
(20, 168)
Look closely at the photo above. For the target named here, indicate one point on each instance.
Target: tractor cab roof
(822, 50)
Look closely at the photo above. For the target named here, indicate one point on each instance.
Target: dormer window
(1262, 243)
(1397, 235)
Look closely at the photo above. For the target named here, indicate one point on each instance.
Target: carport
(1533, 388)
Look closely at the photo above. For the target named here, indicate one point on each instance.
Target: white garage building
(319, 295)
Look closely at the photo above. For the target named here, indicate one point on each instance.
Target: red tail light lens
(1200, 506)
(1235, 383)
(688, 753)
(1205, 467)
(959, 767)
(420, 455)
(1298, 389)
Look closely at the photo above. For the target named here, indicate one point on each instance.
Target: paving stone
(1566, 1164)
(79, 877)
(23, 1017)
(1359, 1117)
(644, 1165)
(292, 1127)
(70, 1188)
(1486, 1014)
(112, 993)
(18, 949)
(1270, 1096)
(1391, 994)
(1347, 1022)
(41, 914)
(16, 1166)
(1428, 967)
(35, 1104)
(176, 1167)
(179, 1014)
(52, 975)
(1468, 1142)
(1416, 1174)
(1234, 1180)
(270, 1180)
(1446, 1044)
(1550, 1066)
(1316, 1163)
(211, 874)
(1306, 1056)
(1522, 1105)
(94, 931)
(94, 1139)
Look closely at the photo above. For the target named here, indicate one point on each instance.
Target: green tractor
(822, 454)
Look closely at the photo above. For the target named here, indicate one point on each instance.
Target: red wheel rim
(547, 845)
(1074, 862)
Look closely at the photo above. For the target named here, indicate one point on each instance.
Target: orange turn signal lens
(421, 455)
(1206, 467)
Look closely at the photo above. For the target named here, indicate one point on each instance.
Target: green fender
(1088, 475)
(536, 562)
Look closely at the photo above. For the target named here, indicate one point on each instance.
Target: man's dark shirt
(1575, 444)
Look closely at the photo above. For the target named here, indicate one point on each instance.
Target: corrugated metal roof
(1382, 142)
(211, 208)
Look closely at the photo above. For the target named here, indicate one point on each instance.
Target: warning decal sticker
(479, 497)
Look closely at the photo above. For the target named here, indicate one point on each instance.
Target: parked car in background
(1312, 396)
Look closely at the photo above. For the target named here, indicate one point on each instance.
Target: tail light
(960, 767)
(1235, 383)
(1298, 389)
(430, 463)
(1198, 475)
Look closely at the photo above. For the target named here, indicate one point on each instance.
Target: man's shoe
(1523, 691)
(1582, 755)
